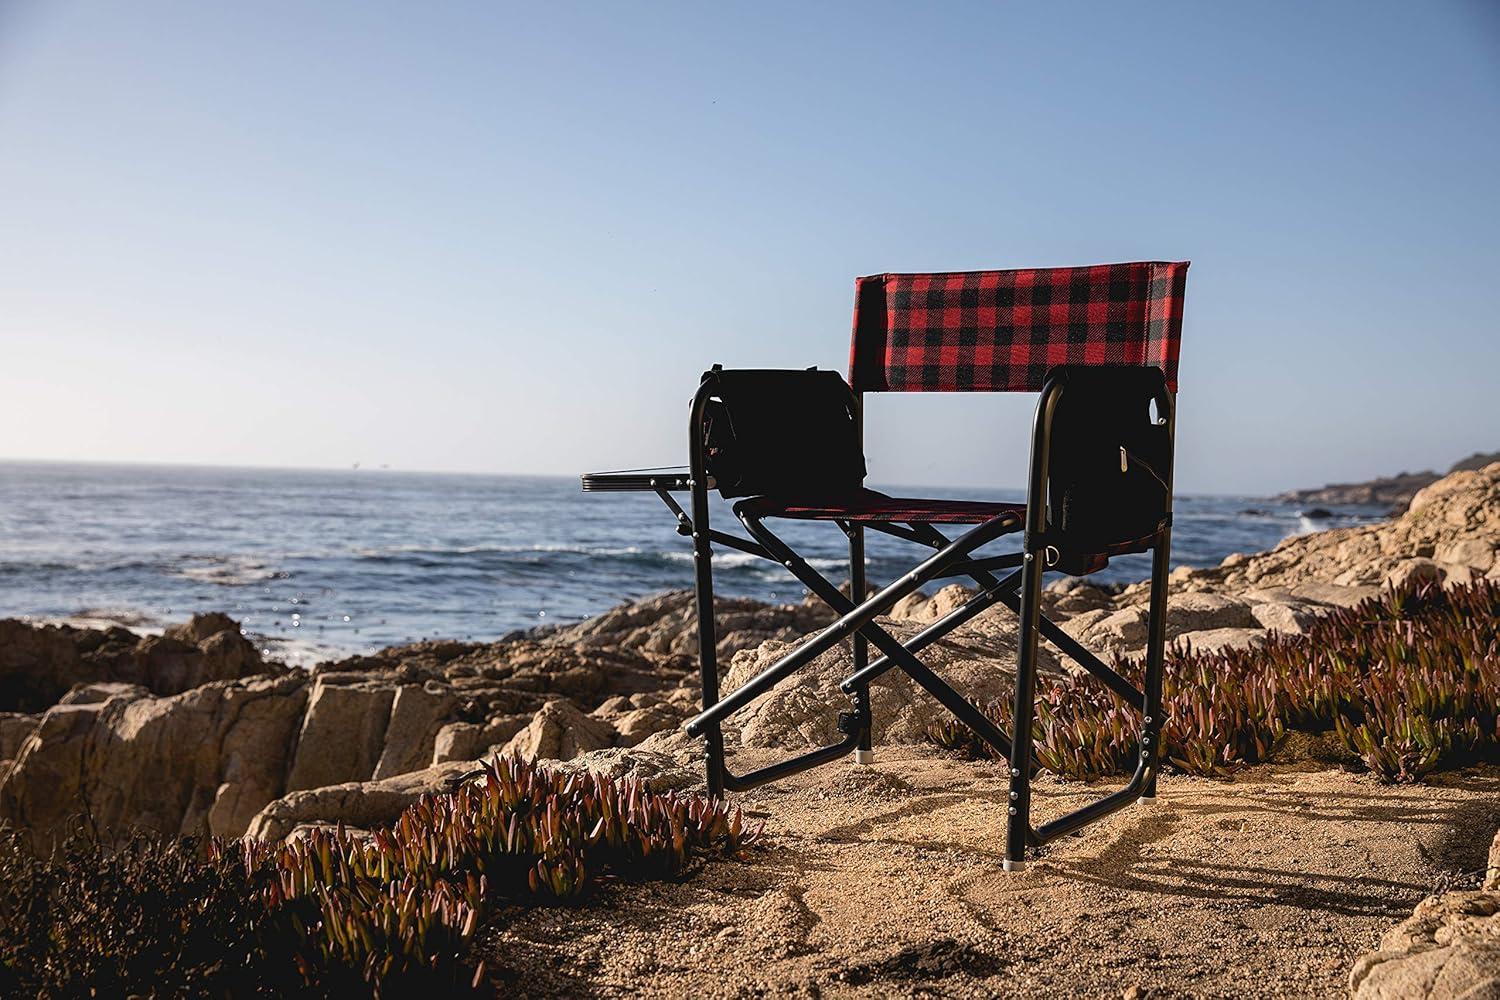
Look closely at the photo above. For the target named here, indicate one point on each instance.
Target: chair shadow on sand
(1123, 861)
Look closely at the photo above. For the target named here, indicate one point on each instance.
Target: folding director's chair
(1099, 344)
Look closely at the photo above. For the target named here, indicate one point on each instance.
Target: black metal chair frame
(1020, 591)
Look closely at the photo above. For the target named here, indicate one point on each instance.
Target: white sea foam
(139, 622)
(385, 551)
(226, 571)
(735, 560)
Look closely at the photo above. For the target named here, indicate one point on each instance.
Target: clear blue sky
(508, 237)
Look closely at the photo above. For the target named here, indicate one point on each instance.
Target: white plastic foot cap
(1146, 800)
(864, 756)
(1014, 866)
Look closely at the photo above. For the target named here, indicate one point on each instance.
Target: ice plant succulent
(1407, 682)
(401, 906)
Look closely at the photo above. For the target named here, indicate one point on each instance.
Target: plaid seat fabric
(1002, 331)
(868, 505)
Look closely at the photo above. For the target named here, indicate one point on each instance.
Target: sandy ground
(886, 881)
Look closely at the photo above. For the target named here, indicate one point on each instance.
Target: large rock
(1286, 617)
(417, 713)
(1110, 634)
(666, 625)
(343, 733)
(667, 761)
(641, 723)
(199, 762)
(638, 716)
(1198, 612)
(514, 675)
(1203, 619)
(1476, 553)
(191, 764)
(38, 664)
(1448, 949)
(560, 731)
(1222, 638)
(367, 805)
(471, 740)
(1412, 573)
(920, 608)
(1492, 867)
(15, 727)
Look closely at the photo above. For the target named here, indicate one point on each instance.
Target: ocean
(320, 564)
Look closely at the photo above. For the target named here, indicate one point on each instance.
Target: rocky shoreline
(194, 733)
(1393, 491)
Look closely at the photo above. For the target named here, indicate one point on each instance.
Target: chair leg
(708, 667)
(1019, 811)
(1156, 640)
(864, 753)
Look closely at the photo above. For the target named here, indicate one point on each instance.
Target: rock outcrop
(1396, 490)
(366, 805)
(1452, 531)
(1449, 949)
(1385, 491)
(560, 731)
(38, 665)
(191, 733)
(666, 626)
(204, 761)
(470, 740)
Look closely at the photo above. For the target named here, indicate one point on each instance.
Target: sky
(507, 238)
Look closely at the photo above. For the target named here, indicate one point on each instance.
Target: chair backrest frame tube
(1142, 785)
(708, 667)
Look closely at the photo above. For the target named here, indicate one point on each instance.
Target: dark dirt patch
(934, 960)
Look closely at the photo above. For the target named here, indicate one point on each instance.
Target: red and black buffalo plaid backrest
(1002, 331)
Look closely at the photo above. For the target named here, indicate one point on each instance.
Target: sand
(886, 881)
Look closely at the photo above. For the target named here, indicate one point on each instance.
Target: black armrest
(673, 480)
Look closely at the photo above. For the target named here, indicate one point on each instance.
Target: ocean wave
(142, 622)
(396, 551)
(226, 571)
(18, 567)
(302, 653)
(42, 566)
(736, 560)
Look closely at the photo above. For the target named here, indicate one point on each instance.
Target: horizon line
(361, 467)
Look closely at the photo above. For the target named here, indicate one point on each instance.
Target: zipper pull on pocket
(1124, 460)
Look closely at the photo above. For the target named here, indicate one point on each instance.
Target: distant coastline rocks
(1393, 491)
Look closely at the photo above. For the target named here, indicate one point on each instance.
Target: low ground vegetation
(335, 913)
(1404, 683)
